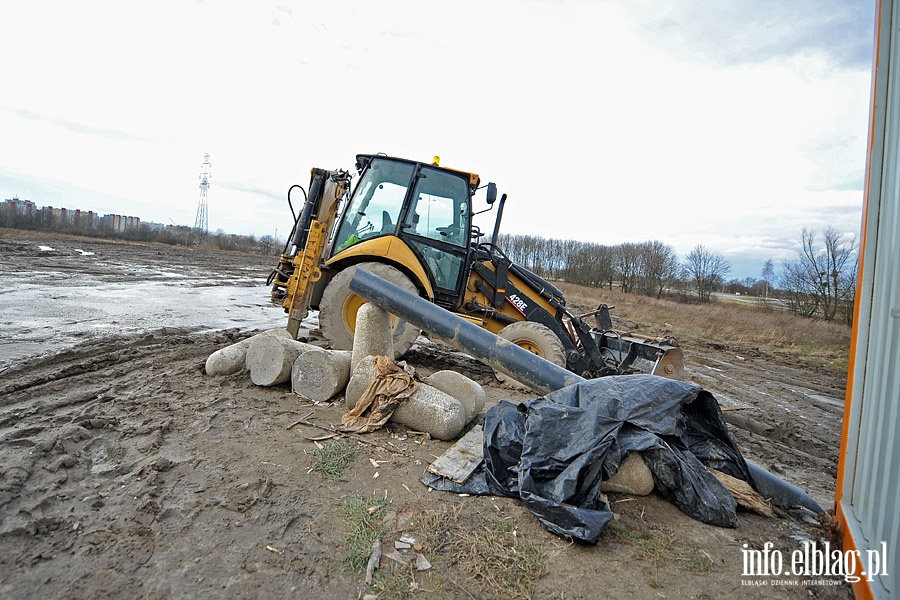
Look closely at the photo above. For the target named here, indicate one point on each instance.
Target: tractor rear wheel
(537, 339)
(337, 309)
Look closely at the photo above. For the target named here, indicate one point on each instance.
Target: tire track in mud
(798, 414)
(95, 356)
(74, 397)
(120, 460)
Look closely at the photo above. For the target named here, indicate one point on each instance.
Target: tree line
(819, 282)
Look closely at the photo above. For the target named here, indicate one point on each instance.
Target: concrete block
(429, 409)
(468, 392)
(270, 358)
(233, 359)
(633, 477)
(321, 374)
(361, 376)
(373, 335)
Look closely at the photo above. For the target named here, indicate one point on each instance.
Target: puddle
(818, 397)
(37, 317)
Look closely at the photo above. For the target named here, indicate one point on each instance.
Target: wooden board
(458, 462)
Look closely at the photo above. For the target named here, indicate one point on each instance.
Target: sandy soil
(126, 471)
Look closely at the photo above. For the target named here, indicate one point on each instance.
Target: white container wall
(868, 495)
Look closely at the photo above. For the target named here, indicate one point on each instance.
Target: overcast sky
(729, 123)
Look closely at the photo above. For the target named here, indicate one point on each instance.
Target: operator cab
(426, 206)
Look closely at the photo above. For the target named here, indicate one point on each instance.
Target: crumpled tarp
(553, 452)
(392, 385)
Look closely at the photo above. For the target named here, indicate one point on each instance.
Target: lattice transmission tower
(202, 222)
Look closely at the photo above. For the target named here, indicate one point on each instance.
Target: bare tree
(590, 265)
(768, 275)
(845, 307)
(267, 244)
(798, 290)
(823, 277)
(567, 250)
(660, 265)
(578, 265)
(706, 270)
(605, 263)
(628, 264)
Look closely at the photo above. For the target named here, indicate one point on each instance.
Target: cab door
(436, 225)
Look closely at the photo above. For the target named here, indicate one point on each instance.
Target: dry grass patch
(738, 327)
(659, 550)
(489, 549)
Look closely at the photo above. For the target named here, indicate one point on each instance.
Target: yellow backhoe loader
(412, 224)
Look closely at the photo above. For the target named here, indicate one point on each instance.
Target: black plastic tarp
(553, 452)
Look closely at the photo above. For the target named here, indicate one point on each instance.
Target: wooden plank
(458, 462)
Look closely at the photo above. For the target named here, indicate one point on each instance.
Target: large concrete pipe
(541, 375)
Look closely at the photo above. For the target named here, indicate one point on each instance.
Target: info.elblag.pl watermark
(812, 564)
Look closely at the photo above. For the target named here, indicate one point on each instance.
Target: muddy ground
(126, 471)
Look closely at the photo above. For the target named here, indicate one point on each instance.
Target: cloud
(835, 160)
(250, 189)
(282, 14)
(45, 191)
(112, 134)
(737, 32)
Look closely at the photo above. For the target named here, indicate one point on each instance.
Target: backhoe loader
(411, 223)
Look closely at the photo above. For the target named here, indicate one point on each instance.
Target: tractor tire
(338, 306)
(537, 339)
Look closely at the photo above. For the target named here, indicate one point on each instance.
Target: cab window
(374, 209)
(440, 209)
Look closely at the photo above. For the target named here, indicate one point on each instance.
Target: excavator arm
(300, 265)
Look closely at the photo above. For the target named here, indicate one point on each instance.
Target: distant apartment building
(53, 217)
(120, 223)
(86, 219)
(156, 227)
(22, 208)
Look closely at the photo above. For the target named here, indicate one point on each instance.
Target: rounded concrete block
(361, 377)
(373, 335)
(233, 359)
(428, 409)
(633, 477)
(462, 388)
(320, 374)
(431, 410)
(270, 358)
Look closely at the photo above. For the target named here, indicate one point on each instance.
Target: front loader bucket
(641, 355)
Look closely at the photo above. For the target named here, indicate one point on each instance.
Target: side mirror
(491, 193)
